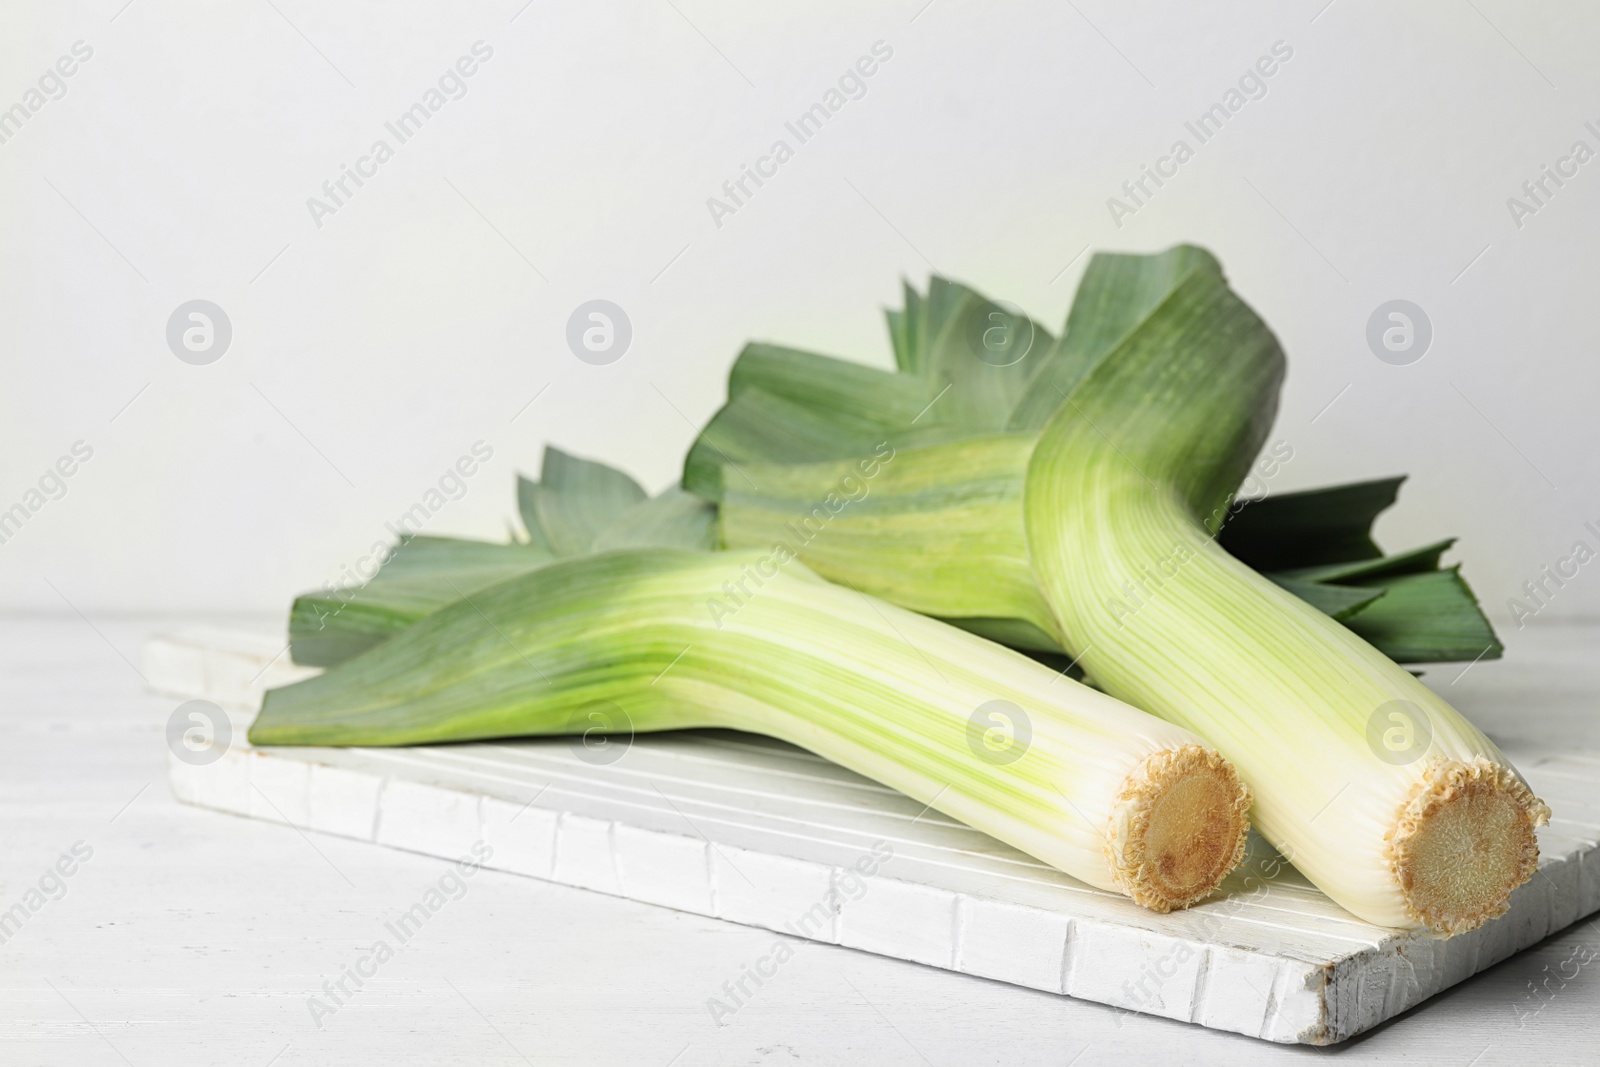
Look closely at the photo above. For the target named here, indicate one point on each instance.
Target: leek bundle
(1068, 495)
(661, 638)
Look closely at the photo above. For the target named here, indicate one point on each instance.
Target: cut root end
(1463, 842)
(1178, 828)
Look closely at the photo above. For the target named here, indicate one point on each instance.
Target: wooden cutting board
(758, 832)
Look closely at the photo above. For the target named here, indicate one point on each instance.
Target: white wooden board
(758, 832)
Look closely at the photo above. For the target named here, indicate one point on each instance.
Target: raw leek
(1068, 495)
(660, 639)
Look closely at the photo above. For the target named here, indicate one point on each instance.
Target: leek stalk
(660, 639)
(1118, 489)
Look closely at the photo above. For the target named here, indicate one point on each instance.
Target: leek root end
(1463, 842)
(1178, 828)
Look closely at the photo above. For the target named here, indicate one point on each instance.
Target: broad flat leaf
(422, 555)
(1116, 295)
(852, 390)
(1416, 561)
(1312, 528)
(1425, 614)
(984, 352)
(578, 498)
(425, 574)
(1336, 601)
(422, 575)
(905, 332)
(527, 507)
(1427, 618)
(756, 426)
(675, 519)
(968, 365)
(966, 362)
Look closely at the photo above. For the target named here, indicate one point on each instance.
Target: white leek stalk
(1375, 788)
(658, 639)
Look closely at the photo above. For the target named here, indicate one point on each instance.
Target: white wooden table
(192, 937)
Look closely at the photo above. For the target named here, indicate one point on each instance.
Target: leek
(1068, 495)
(661, 639)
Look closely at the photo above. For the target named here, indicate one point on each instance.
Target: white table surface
(191, 937)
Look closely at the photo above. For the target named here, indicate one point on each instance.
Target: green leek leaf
(1366, 571)
(424, 574)
(1427, 618)
(578, 498)
(1335, 601)
(1311, 528)
(421, 575)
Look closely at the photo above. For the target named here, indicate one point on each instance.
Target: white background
(369, 353)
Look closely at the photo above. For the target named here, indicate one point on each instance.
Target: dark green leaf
(1416, 561)
(1335, 601)
(1427, 618)
(1312, 528)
